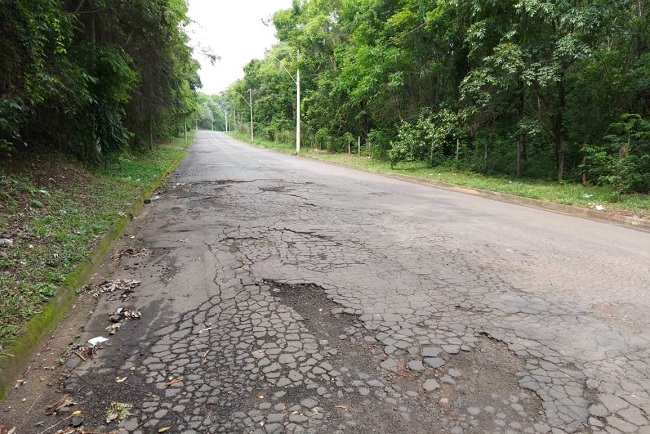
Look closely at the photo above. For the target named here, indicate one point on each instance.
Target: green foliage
(380, 143)
(93, 77)
(524, 83)
(425, 140)
(623, 161)
(57, 225)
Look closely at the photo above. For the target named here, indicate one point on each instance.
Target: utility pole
(298, 104)
(250, 104)
(250, 95)
(297, 82)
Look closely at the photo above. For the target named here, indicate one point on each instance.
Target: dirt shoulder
(41, 384)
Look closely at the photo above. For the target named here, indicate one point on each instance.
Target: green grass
(56, 212)
(575, 194)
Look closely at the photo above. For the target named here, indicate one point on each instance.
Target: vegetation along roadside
(54, 213)
(603, 199)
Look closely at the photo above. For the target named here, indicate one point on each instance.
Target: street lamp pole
(250, 96)
(250, 104)
(298, 104)
(297, 82)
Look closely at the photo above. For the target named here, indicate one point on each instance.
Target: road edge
(36, 329)
(571, 210)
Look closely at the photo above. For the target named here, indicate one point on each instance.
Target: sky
(232, 30)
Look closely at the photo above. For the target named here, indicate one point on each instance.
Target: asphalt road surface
(280, 294)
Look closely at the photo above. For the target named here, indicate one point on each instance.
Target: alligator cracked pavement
(285, 295)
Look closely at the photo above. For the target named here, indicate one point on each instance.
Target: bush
(425, 139)
(623, 160)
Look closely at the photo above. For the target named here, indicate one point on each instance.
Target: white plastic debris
(97, 340)
(599, 207)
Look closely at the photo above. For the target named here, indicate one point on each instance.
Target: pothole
(311, 302)
(489, 392)
(371, 397)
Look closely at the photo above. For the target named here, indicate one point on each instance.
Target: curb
(40, 325)
(572, 210)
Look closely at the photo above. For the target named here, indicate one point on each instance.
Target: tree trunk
(521, 142)
(560, 144)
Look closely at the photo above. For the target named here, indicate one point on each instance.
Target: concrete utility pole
(250, 104)
(250, 95)
(297, 104)
(297, 82)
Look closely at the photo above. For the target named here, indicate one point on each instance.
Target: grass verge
(60, 218)
(583, 196)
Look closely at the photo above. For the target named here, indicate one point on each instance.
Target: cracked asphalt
(286, 295)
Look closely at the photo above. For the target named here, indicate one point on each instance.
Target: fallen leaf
(76, 412)
(120, 380)
(258, 354)
(174, 381)
(163, 429)
(65, 400)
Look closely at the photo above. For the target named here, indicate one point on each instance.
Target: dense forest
(93, 77)
(550, 89)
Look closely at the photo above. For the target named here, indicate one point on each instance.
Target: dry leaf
(166, 428)
(65, 400)
(174, 381)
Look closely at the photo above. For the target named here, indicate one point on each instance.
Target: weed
(56, 211)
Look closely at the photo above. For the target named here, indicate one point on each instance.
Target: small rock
(416, 365)
(76, 421)
(474, 411)
(434, 362)
(451, 349)
(71, 387)
(430, 352)
(6, 242)
(430, 385)
(309, 403)
(447, 379)
(389, 365)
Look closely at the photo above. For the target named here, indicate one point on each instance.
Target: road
(280, 294)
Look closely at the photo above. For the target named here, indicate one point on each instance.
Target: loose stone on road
(306, 297)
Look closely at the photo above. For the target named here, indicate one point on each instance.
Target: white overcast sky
(232, 30)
